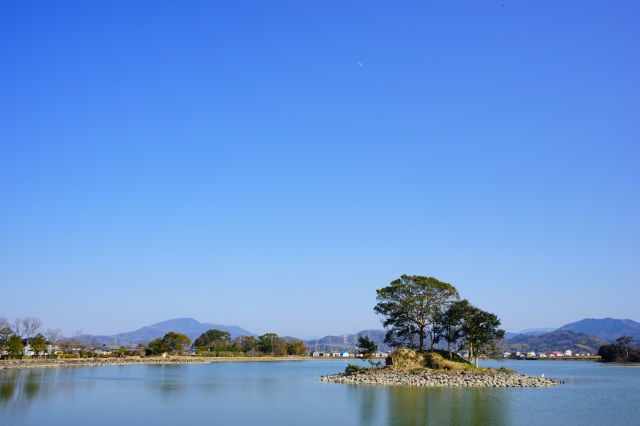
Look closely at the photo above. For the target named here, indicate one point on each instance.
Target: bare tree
(80, 339)
(17, 326)
(54, 336)
(68, 345)
(3, 322)
(31, 325)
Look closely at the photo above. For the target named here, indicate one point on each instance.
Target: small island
(416, 308)
(406, 367)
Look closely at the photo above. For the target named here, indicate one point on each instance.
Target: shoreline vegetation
(9, 364)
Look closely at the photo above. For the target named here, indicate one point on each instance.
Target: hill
(559, 340)
(608, 329)
(347, 342)
(187, 326)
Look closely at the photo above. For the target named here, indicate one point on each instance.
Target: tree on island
(411, 304)
(479, 333)
(367, 348)
(448, 324)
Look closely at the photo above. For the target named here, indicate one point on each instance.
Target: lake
(286, 393)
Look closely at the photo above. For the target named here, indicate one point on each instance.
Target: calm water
(286, 393)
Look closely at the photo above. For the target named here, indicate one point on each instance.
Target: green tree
(480, 332)
(296, 347)
(619, 351)
(448, 324)
(611, 353)
(247, 344)
(38, 344)
(410, 305)
(14, 345)
(401, 337)
(367, 348)
(156, 346)
(214, 339)
(270, 343)
(175, 342)
(5, 333)
(625, 344)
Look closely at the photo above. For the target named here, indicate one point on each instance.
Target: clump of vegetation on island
(417, 309)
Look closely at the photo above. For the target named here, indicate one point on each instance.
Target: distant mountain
(529, 332)
(537, 331)
(187, 326)
(559, 340)
(347, 342)
(608, 329)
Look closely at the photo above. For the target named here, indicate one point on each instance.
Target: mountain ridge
(605, 329)
(608, 329)
(187, 326)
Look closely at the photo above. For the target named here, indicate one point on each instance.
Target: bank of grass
(407, 360)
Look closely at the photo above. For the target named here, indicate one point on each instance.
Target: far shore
(9, 364)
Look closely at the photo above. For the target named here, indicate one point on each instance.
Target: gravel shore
(433, 378)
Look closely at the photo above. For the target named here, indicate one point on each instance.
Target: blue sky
(271, 164)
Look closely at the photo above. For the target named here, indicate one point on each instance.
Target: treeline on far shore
(219, 343)
(25, 337)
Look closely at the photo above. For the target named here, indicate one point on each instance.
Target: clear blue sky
(271, 164)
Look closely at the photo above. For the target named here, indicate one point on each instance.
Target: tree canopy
(620, 351)
(411, 304)
(171, 343)
(479, 333)
(416, 306)
(215, 338)
(38, 344)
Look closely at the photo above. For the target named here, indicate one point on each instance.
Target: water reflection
(429, 406)
(288, 393)
(19, 388)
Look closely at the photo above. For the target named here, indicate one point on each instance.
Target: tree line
(219, 343)
(16, 335)
(417, 308)
(620, 351)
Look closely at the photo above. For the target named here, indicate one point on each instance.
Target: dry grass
(406, 359)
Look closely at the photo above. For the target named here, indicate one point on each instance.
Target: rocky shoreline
(10, 364)
(435, 378)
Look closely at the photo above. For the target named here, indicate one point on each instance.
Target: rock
(431, 378)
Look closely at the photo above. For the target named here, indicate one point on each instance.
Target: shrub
(352, 368)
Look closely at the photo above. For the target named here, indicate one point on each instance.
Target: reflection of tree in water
(7, 385)
(19, 388)
(445, 405)
(170, 381)
(371, 400)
